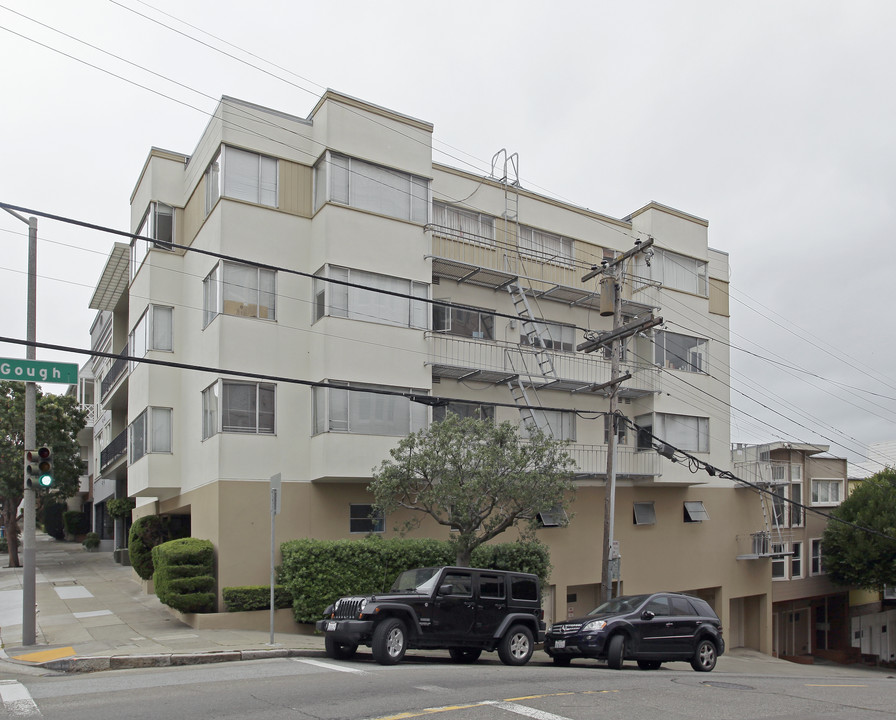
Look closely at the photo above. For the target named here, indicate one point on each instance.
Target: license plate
(331, 626)
(559, 644)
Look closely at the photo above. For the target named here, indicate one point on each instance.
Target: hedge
(316, 572)
(75, 522)
(255, 597)
(184, 576)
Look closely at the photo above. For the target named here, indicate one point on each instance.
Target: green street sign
(38, 371)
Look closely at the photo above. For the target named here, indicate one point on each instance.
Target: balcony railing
(591, 461)
(497, 361)
(762, 472)
(93, 412)
(119, 367)
(114, 450)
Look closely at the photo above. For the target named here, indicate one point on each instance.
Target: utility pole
(611, 290)
(29, 634)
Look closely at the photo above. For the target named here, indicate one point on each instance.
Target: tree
(853, 556)
(59, 419)
(475, 477)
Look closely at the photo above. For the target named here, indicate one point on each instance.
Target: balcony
(93, 413)
(762, 472)
(118, 369)
(764, 544)
(114, 450)
(591, 462)
(496, 362)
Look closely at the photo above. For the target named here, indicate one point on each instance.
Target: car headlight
(362, 605)
(594, 626)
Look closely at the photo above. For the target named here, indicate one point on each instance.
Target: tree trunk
(11, 531)
(463, 557)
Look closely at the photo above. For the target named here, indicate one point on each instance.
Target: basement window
(694, 512)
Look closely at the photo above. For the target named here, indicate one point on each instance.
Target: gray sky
(772, 120)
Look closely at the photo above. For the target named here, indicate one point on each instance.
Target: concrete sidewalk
(92, 614)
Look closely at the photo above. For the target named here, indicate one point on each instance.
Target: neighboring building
(811, 614)
(352, 195)
(84, 393)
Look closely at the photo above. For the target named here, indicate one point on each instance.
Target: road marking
(17, 700)
(811, 685)
(508, 704)
(527, 711)
(331, 666)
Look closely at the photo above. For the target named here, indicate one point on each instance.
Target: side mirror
(445, 589)
(647, 615)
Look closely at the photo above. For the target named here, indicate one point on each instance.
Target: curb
(124, 662)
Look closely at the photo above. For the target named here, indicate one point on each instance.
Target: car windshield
(620, 605)
(420, 580)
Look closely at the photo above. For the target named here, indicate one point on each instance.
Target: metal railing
(119, 367)
(114, 450)
(591, 461)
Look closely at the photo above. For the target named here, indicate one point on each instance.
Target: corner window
(680, 352)
(644, 513)
(694, 512)
(365, 303)
(364, 518)
(150, 433)
(242, 407)
(674, 271)
(241, 175)
(826, 492)
(338, 409)
(240, 290)
(158, 224)
(460, 224)
(684, 432)
(153, 331)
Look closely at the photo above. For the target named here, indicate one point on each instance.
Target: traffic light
(39, 466)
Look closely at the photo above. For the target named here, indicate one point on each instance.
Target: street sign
(38, 371)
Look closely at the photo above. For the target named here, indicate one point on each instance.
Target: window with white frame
(796, 560)
(150, 433)
(545, 246)
(674, 271)
(796, 504)
(684, 432)
(153, 331)
(644, 513)
(826, 492)
(463, 410)
(366, 186)
(338, 409)
(779, 561)
(240, 290)
(233, 406)
(392, 307)
(555, 423)
(158, 224)
(817, 566)
(365, 518)
(554, 336)
(779, 505)
(456, 222)
(463, 322)
(680, 352)
(241, 175)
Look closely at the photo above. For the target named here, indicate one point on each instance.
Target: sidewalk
(92, 614)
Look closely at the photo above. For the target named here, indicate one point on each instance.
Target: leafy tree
(475, 477)
(855, 557)
(59, 419)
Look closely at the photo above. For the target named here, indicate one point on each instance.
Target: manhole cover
(727, 685)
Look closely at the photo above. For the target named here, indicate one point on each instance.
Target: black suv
(651, 629)
(463, 610)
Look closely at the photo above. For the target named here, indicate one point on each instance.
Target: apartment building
(309, 249)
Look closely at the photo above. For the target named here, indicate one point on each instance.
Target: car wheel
(649, 664)
(705, 657)
(464, 655)
(389, 641)
(616, 652)
(562, 660)
(339, 651)
(516, 646)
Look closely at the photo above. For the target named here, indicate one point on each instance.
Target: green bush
(52, 518)
(255, 597)
(145, 534)
(75, 522)
(91, 540)
(120, 507)
(316, 572)
(184, 576)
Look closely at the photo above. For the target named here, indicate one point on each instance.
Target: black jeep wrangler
(463, 610)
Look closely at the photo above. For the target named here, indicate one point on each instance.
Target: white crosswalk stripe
(17, 700)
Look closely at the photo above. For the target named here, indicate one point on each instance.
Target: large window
(150, 433)
(681, 431)
(817, 567)
(680, 352)
(239, 407)
(241, 175)
(464, 410)
(462, 322)
(826, 492)
(241, 290)
(363, 185)
(153, 331)
(157, 223)
(365, 303)
(553, 336)
(338, 409)
(554, 423)
(544, 246)
(363, 518)
(674, 271)
(460, 224)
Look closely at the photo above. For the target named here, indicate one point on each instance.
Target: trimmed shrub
(75, 522)
(52, 516)
(120, 507)
(184, 576)
(145, 534)
(255, 597)
(91, 541)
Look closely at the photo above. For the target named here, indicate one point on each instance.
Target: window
(157, 223)
(554, 423)
(241, 290)
(460, 224)
(796, 510)
(463, 322)
(682, 431)
(621, 430)
(694, 512)
(363, 185)
(680, 352)
(361, 303)
(555, 517)
(553, 335)
(364, 518)
(365, 413)
(817, 567)
(491, 586)
(153, 331)
(644, 513)
(522, 588)
(241, 175)
(150, 433)
(779, 561)
(796, 560)
(779, 505)
(243, 407)
(546, 247)
(458, 584)
(674, 271)
(464, 410)
(826, 492)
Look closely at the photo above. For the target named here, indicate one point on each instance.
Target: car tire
(705, 656)
(389, 642)
(516, 646)
(616, 652)
(339, 651)
(562, 660)
(649, 664)
(464, 655)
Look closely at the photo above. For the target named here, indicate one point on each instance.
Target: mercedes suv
(651, 629)
(463, 610)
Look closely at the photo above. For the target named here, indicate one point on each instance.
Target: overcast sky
(774, 121)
